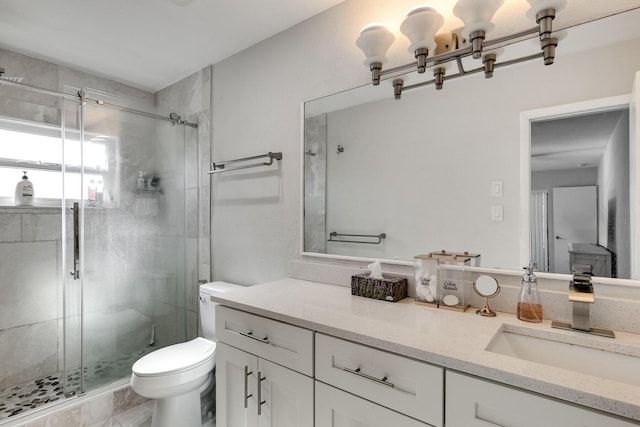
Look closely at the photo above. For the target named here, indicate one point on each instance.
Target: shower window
(37, 149)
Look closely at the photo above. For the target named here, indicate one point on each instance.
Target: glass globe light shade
(420, 27)
(476, 14)
(374, 41)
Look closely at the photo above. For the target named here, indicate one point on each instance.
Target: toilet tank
(207, 307)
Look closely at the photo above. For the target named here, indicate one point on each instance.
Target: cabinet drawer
(278, 342)
(335, 408)
(472, 402)
(399, 383)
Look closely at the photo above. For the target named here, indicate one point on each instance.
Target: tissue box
(388, 289)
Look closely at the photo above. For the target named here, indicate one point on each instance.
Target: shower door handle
(75, 273)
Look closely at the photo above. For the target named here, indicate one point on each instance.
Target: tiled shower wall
(315, 183)
(192, 97)
(30, 297)
(31, 293)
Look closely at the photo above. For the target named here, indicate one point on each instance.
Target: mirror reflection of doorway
(575, 222)
(539, 229)
(587, 150)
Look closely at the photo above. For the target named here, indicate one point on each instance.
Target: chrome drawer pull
(249, 334)
(357, 372)
(246, 386)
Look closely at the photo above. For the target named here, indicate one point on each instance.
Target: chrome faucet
(581, 297)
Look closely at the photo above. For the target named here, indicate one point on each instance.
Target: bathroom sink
(601, 357)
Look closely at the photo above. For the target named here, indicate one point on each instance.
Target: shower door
(37, 337)
(132, 220)
(92, 275)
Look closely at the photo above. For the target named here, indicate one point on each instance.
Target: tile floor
(33, 394)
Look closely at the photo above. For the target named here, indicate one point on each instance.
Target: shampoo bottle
(529, 304)
(24, 192)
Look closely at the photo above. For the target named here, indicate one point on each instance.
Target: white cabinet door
(472, 402)
(336, 408)
(286, 397)
(236, 379)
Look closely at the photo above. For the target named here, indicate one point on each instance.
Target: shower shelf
(148, 191)
(221, 166)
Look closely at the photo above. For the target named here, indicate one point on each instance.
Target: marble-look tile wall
(29, 294)
(315, 183)
(192, 97)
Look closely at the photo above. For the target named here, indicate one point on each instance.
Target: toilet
(175, 376)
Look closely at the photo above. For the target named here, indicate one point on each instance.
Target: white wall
(614, 229)
(257, 101)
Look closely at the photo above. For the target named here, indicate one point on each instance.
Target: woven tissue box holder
(388, 289)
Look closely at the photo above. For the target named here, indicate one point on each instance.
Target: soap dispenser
(529, 304)
(24, 192)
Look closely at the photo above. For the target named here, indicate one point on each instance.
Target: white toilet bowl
(176, 376)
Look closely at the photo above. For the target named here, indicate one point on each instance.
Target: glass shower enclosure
(92, 274)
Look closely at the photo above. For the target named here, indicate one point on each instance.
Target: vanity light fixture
(423, 22)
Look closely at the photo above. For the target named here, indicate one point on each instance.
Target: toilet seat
(176, 358)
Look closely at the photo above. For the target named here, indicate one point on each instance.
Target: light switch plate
(496, 188)
(496, 213)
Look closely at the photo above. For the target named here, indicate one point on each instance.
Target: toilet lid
(175, 358)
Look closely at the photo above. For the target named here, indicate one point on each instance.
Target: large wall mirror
(442, 170)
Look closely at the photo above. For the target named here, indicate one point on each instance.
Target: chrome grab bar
(371, 236)
(221, 166)
(382, 381)
(249, 334)
(246, 386)
(75, 273)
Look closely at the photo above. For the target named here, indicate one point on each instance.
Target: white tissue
(376, 269)
(433, 285)
(427, 290)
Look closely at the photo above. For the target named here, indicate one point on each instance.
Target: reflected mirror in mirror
(424, 169)
(487, 287)
(580, 193)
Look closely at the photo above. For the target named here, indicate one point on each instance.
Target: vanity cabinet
(271, 373)
(404, 385)
(473, 402)
(253, 386)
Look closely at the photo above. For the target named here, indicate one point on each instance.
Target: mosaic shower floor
(33, 394)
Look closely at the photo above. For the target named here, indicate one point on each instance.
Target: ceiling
(148, 44)
(151, 44)
(573, 142)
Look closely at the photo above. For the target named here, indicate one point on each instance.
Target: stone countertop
(450, 339)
